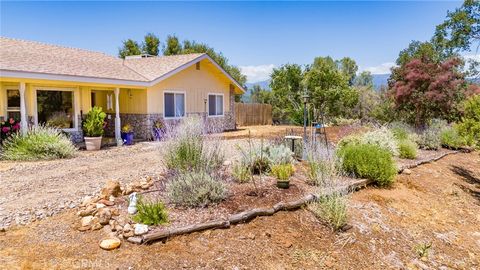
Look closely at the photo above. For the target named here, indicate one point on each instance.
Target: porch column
(23, 110)
(117, 116)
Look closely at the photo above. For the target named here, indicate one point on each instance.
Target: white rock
(140, 229)
(86, 221)
(86, 200)
(127, 228)
(110, 243)
(407, 171)
(99, 205)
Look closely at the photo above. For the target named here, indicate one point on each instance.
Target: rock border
(251, 214)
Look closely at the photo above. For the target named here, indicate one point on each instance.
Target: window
(174, 104)
(55, 108)
(215, 105)
(13, 104)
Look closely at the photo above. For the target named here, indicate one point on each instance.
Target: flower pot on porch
(127, 138)
(93, 143)
(283, 184)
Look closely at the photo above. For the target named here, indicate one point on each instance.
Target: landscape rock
(106, 202)
(127, 228)
(140, 229)
(110, 243)
(99, 205)
(407, 171)
(86, 221)
(87, 200)
(96, 226)
(103, 216)
(128, 234)
(90, 210)
(111, 188)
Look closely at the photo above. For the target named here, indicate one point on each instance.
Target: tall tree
(349, 68)
(173, 46)
(426, 89)
(129, 47)
(365, 78)
(287, 90)
(259, 95)
(151, 44)
(328, 87)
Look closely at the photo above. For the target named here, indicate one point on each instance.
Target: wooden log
(250, 214)
(216, 224)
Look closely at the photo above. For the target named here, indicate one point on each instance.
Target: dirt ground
(435, 209)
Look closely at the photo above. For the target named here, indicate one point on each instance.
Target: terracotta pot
(283, 184)
(93, 143)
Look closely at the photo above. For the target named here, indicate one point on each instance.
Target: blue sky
(256, 36)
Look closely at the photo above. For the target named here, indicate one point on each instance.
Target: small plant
(423, 249)
(150, 212)
(321, 171)
(94, 122)
(127, 128)
(39, 143)
(195, 189)
(407, 149)
(282, 171)
(368, 161)
(430, 139)
(450, 138)
(401, 131)
(241, 173)
(332, 209)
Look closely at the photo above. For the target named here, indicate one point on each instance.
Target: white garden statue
(132, 207)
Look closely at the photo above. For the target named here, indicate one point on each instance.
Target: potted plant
(158, 130)
(282, 172)
(93, 128)
(127, 134)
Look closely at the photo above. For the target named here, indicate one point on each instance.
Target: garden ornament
(132, 207)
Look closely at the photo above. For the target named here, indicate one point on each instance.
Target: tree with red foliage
(426, 89)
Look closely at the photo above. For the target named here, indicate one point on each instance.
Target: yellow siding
(196, 84)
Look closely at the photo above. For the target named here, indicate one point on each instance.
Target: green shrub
(450, 138)
(188, 149)
(368, 161)
(39, 143)
(282, 171)
(279, 154)
(241, 173)
(195, 189)
(401, 131)
(259, 158)
(469, 127)
(150, 212)
(94, 122)
(383, 138)
(430, 139)
(332, 209)
(407, 149)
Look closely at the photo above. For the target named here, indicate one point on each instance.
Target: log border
(246, 216)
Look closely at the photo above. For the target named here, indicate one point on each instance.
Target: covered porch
(64, 105)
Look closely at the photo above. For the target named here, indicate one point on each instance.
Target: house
(42, 83)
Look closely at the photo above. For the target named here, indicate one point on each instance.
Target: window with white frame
(13, 104)
(174, 104)
(215, 105)
(55, 108)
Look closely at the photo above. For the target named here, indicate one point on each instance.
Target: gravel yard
(34, 190)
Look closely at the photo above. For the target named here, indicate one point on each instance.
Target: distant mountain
(263, 84)
(379, 80)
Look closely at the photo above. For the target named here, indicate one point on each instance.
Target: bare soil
(438, 205)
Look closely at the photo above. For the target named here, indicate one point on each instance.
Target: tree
(426, 89)
(259, 95)
(329, 89)
(365, 78)
(129, 47)
(173, 46)
(151, 44)
(349, 68)
(460, 30)
(287, 90)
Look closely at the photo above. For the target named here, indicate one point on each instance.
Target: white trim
(208, 105)
(184, 103)
(75, 100)
(87, 79)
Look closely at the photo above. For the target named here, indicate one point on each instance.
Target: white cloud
(257, 73)
(475, 57)
(381, 69)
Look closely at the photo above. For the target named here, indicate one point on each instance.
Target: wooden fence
(250, 114)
